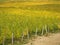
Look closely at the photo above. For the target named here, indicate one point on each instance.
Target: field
(20, 22)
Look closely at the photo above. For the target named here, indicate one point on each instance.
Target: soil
(52, 39)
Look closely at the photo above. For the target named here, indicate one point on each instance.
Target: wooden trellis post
(28, 34)
(22, 36)
(36, 32)
(42, 30)
(3, 40)
(12, 38)
(46, 29)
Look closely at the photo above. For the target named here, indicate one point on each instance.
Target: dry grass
(17, 4)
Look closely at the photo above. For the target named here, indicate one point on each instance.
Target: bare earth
(53, 39)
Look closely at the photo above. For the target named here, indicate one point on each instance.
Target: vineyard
(17, 25)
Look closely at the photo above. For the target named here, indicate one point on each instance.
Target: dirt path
(53, 39)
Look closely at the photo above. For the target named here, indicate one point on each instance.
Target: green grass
(20, 20)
